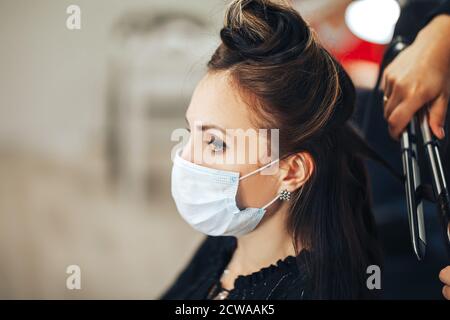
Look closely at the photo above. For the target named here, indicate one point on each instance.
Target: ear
(295, 171)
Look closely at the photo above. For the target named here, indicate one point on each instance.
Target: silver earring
(285, 195)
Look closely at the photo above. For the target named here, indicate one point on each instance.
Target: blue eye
(217, 144)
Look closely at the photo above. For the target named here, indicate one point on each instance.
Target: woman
(306, 231)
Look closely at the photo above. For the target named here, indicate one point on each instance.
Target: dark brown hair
(292, 83)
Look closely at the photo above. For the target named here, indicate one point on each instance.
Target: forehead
(215, 100)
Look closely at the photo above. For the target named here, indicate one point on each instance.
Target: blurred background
(85, 123)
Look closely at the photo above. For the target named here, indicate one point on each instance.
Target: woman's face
(216, 110)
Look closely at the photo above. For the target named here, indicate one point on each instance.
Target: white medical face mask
(206, 199)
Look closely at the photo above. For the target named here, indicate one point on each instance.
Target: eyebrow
(204, 127)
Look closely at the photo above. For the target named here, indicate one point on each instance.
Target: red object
(360, 50)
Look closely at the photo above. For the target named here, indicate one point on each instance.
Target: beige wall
(58, 205)
(53, 81)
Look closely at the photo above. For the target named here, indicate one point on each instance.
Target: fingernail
(442, 132)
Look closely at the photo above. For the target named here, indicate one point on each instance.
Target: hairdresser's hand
(444, 275)
(419, 75)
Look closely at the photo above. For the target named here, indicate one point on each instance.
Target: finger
(387, 78)
(401, 115)
(437, 113)
(393, 101)
(446, 292)
(388, 84)
(444, 275)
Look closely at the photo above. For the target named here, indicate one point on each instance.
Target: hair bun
(262, 30)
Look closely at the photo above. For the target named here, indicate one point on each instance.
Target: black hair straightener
(418, 135)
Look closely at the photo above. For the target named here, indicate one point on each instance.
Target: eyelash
(217, 143)
(212, 141)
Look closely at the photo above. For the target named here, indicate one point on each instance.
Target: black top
(286, 279)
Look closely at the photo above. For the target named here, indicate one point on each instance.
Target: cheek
(256, 191)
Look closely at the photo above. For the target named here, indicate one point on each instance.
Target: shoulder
(209, 254)
(212, 248)
(216, 248)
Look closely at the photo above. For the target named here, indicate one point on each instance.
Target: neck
(265, 245)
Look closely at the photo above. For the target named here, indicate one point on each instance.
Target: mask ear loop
(260, 169)
(272, 201)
